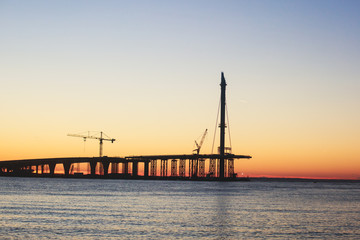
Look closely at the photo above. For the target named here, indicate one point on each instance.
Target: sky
(147, 73)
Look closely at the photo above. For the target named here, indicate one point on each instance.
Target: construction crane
(100, 138)
(193, 171)
(198, 145)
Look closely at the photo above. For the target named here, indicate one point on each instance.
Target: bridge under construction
(184, 167)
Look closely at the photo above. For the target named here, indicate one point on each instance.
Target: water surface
(44, 208)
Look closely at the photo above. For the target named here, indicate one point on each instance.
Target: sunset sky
(147, 73)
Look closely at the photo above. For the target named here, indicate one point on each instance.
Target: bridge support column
(92, 167)
(66, 168)
(163, 168)
(37, 169)
(190, 164)
(174, 168)
(42, 169)
(52, 168)
(106, 167)
(126, 168)
(135, 168)
(146, 169)
(182, 163)
(153, 169)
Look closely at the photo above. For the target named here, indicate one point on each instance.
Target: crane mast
(101, 139)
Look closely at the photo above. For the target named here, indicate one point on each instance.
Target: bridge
(189, 166)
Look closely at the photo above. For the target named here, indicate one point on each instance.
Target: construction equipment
(95, 136)
(194, 165)
(198, 145)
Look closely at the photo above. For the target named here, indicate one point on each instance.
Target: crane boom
(198, 145)
(101, 139)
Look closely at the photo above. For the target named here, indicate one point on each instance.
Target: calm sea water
(34, 208)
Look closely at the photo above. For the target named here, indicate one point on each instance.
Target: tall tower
(222, 126)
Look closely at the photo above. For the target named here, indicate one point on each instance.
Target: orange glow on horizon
(85, 168)
(302, 177)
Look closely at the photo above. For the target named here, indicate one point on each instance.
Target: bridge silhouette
(191, 166)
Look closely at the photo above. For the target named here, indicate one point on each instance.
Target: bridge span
(152, 166)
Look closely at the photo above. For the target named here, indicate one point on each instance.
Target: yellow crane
(101, 138)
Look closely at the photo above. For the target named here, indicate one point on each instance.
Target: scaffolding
(174, 168)
(153, 167)
(212, 167)
(182, 168)
(201, 168)
(225, 168)
(163, 168)
(193, 167)
(231, 168)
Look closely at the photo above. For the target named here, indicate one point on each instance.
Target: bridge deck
(26, 167)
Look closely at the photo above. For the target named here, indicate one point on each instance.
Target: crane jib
(101, 139)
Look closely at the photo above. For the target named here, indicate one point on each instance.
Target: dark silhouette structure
(101, 139)
(222, 126)
(130, 165)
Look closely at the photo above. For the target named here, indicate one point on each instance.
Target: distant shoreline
(303, 179)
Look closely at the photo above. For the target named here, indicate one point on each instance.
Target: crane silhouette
(100, 138)
(198, 145)
(195, 162)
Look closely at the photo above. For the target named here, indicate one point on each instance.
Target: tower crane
(100, 138)
(198, 145)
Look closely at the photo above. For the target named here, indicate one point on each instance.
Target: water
(35, 208)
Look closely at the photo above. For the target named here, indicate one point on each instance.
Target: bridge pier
(153, 167)
(52, 168)
(126, 168)
(146, 168)
(173, 167)
(135, 168)
(92, 167)
(163, 167)
(106, 167)
(182, 164)
(190, 167)
(66, 168)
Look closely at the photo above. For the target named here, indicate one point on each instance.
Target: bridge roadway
(25, 167)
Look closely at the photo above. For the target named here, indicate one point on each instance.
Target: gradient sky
(148, 72)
